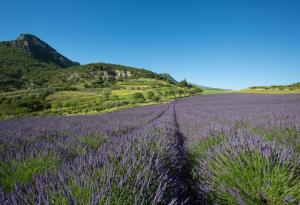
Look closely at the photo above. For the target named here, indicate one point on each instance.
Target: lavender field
(214, 149)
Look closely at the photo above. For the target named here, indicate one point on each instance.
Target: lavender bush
(217, 149)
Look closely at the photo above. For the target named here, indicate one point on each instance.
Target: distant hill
(33, 47)
(209, 88)
(36, 79)
(274, 89)
(28, 62)
(293, 86)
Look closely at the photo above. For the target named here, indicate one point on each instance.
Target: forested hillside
(36, 79)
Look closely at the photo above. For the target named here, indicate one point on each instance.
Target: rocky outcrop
(41, 50)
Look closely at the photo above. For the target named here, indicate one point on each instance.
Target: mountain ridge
(40, 50)
(28, 62)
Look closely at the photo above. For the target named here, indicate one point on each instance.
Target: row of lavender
(244, 149)
(120, 158)
(218, 149)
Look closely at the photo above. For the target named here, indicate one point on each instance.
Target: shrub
(32, 103)
(56, 104)
(111, 104)
(250, 170)
(195, 90)
(21, 110)
(155, 98)
(138, 96)
(172, 93)
(46, 93)
(180, 92)
(149, 95)
(184, 83)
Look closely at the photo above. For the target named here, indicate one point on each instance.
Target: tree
(180, 92)
(138, 96)
(195, 90)
(183, 83)
(155, 98)
(149, 95)
(57, 104)
(172, 93)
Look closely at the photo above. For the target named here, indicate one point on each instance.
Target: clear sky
(219, 43)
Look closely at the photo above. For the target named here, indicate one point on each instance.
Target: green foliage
(114, 97)
(155, 98)
(23, 170)
(288, 135)
(149, 95)
(106, 93)
(169, 93)
(111, 104)
(93, 142)
(168, 78)
(58, 104)
(23, 104)
(33, 103)
(215, 91)
(183, 83)
(138, 96)
(195, 90)
(180, 92)
(208, 143)
(258, 180)
(31, 86)
(293, 86)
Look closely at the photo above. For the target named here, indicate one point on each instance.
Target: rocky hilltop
(30, 63)
(40, 50)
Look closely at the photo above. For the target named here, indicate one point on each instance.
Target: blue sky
(220, 43)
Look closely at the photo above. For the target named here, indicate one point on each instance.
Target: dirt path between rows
(181, 171)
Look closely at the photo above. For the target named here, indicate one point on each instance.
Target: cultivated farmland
(212, 149)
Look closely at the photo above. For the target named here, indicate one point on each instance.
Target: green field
(122, 94)
(216, 91)
(270, 91)
(274, 89)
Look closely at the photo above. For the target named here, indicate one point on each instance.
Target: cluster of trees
(184, 83)
(24, 104)
(38, 103)
(165, 94)
(112, 101)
